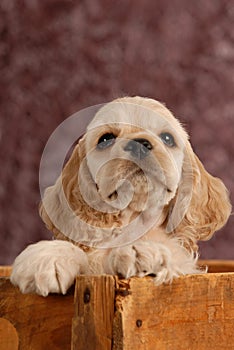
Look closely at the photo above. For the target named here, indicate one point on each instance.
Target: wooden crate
(106, 313)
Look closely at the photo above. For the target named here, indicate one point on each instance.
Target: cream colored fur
(104, 197)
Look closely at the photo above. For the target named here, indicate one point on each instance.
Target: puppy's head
(134, 162)
(135, 153)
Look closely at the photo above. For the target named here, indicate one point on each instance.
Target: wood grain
(5, 271)
(9, 339)
(32, 321)
(215, 266)
(94, 312)
(194, 312)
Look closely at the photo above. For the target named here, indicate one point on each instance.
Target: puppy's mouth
(113, 196)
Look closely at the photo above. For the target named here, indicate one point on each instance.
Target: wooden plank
(194, 312)
(5, 271)
(34, 322)
(215, 266)
(94, 311)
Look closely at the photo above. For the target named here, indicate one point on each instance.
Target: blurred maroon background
(59, 56)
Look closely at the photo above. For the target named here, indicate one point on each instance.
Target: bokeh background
(59, 56)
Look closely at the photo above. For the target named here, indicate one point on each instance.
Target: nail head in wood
(86, 296)
(139, 323)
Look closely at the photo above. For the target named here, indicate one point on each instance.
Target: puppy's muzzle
(139, 148)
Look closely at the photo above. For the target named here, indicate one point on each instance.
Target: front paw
(141, 259)
(48, 267)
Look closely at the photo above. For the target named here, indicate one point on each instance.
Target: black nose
(139, 148)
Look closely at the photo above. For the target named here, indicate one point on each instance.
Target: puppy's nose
(139, 148)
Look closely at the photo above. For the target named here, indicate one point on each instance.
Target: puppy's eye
(106, 141)
(168, 139)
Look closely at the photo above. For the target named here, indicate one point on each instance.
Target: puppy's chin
(117, 195)
(137, 192)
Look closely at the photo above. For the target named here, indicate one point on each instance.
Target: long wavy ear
(60, 201)
(201, 205)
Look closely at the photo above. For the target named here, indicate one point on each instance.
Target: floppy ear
(60, 200)
(201, 205)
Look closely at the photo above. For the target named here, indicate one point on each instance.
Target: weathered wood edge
(124, 302)
(92, 324)
(122, 288)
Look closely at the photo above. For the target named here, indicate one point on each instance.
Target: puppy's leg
(164, 261)
(48, 267)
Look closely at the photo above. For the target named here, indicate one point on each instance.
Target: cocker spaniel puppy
(132, 200)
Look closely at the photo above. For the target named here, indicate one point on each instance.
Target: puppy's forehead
(137, 112)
